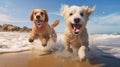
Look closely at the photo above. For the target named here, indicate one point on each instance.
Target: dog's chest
(77, 40)
(73, 40)
(46, 34)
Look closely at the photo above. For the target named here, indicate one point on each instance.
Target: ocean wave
(109, 44)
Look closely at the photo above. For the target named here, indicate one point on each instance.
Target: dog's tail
(56, 22)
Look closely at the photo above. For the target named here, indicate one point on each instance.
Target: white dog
(76, 33)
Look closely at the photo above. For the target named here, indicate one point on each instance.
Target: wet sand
(33, 59)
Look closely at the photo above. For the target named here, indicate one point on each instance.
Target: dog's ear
(46, 15)
(63, 9)
(31, 16)
(88, 10)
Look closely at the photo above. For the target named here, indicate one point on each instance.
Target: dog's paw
(82, 56)
(44, 45)
(31, 40)
(70, 50)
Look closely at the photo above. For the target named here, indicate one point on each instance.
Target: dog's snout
(77, 20)
(38, 17)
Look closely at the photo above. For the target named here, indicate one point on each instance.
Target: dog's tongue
(38, 22)
(76, 27)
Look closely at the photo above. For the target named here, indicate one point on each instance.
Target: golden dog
(76, 33)
(41, 29)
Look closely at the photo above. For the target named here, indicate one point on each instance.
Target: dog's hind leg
(44, 42)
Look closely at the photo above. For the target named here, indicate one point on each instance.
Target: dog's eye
(35, 13)
(71, 14)
(81, 14)
(41, 13)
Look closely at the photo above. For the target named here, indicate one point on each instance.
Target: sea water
(104, 44)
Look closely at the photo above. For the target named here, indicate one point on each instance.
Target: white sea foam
(104, 44)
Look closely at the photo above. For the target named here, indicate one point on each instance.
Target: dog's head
(76, 17)
(39, 16)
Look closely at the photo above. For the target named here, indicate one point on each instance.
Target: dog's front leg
(82, 53)
(67, 47)
(32, 36)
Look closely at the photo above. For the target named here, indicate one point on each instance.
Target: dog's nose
(38, 17)
(77, 20)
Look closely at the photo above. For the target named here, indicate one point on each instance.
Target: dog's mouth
(39, 22)
(76, 28)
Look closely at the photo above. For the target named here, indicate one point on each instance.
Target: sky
(105, 19)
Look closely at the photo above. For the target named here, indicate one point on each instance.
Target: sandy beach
(35, 58)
